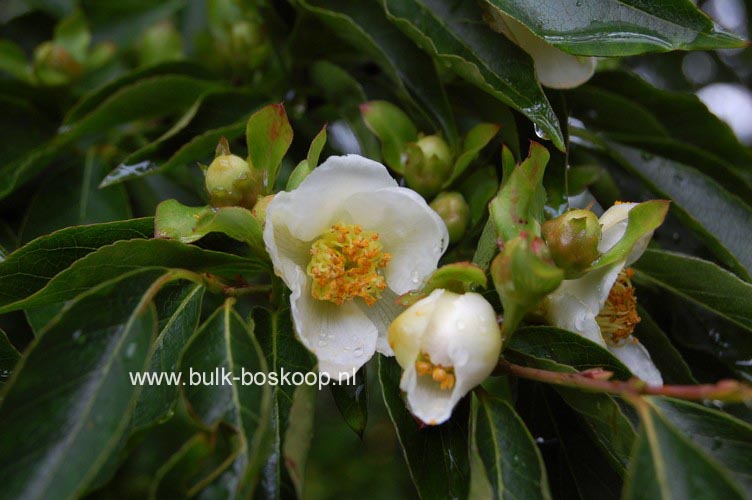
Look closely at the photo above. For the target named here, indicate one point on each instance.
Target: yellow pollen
(346, 263)
(619, 317)
(444, 375)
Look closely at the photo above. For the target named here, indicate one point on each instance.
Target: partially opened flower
(601, 305)
(446, 344)
(555, 68)
(347, 242)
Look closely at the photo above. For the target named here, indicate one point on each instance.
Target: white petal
(309, 210)
(589, 291)
(341, 337)
(566, 311)
(409, 229)
(637, 358)
(406, 332)
(426, 399)
(555, 68)
(613, 226)
(381, 314)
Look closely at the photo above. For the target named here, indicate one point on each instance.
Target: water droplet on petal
(358, 352)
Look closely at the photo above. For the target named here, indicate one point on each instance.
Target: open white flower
(347, 242)
(556, 69)
(601, 305)
(446, 344)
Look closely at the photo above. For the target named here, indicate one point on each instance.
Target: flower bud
(259, 209)
(454, 211)
(523, 274)
(446, 344)
(249, 43)
(428, 165)
(54, 65)
(573, 239)
(161, 42)
(231, 182)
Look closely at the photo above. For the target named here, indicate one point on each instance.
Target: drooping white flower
(446, 344)
(601, 304)
(555, 68)
(347, 242)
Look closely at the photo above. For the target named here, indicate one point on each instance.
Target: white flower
(601, 304)
(347, 242)
(446, 344)
(556, 69)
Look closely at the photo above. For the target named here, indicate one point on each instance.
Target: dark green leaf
(225, 349)
(57, 434)
(351, 399)
(699, 281)
(455, 33)
(437, 456)
(668, 464)
(30, 268)
(8, 358)
(669, 361)
(126, 256)
(623, 27)
(513, 463)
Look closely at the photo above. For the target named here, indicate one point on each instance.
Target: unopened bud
(230, 182)
(161, 42)
(259, 209)
(428, 165)
(573, 239)
(454, 211)
(249, 43)
(54, 65)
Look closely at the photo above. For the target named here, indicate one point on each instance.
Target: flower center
(444, 375)
(345, 264)
(619, 317)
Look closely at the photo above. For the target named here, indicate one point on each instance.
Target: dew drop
(358, 352)
(540, 133)
(323, 343)
(130, 350)
(415, 277)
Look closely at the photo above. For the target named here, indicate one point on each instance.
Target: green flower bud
(454, 211)
(249, 43)
(54, 65)
(161, 42)
(230, 181)
(573, 239)
(259, 209)
(523, 274)
(429, 164)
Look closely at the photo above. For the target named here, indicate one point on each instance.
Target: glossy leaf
(28, 270)
(224, 348)
(668, 464)
(476, 139)
(104, 334)
(268, 135)
(456, 35)
(513, 463)
(624, 27)
(436, 456)
(394, 129)
(700, 282)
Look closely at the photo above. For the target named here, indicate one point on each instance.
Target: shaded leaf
(351, 398)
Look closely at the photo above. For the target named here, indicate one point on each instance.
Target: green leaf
(13, 60)
(72, 198)
(668, 464)
(225, 348)
(306, 166)
(487, 246)
(178, 310)
(513, 463)
(125, 256)
(478, 189)
(189, 224)
(643, 219)
(519, 205)
(351, 398)
(73, 35)
(699, 281)
(456, 35)
(268, 135)
(393, 128)
(458, 277)
(719, 218)
(605, 419)
(9, 356)
(58, 434)
(427, 450)
(28, 269)
(475, 140)
(283, 352)
(669, 361)
(366, 27)
(624, 27)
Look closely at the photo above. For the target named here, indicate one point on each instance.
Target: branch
(598, 380)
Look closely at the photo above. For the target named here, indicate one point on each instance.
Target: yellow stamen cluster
(619, 317)
(345, 263)
(442, 374)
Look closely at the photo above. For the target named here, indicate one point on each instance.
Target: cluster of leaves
(94, 139)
